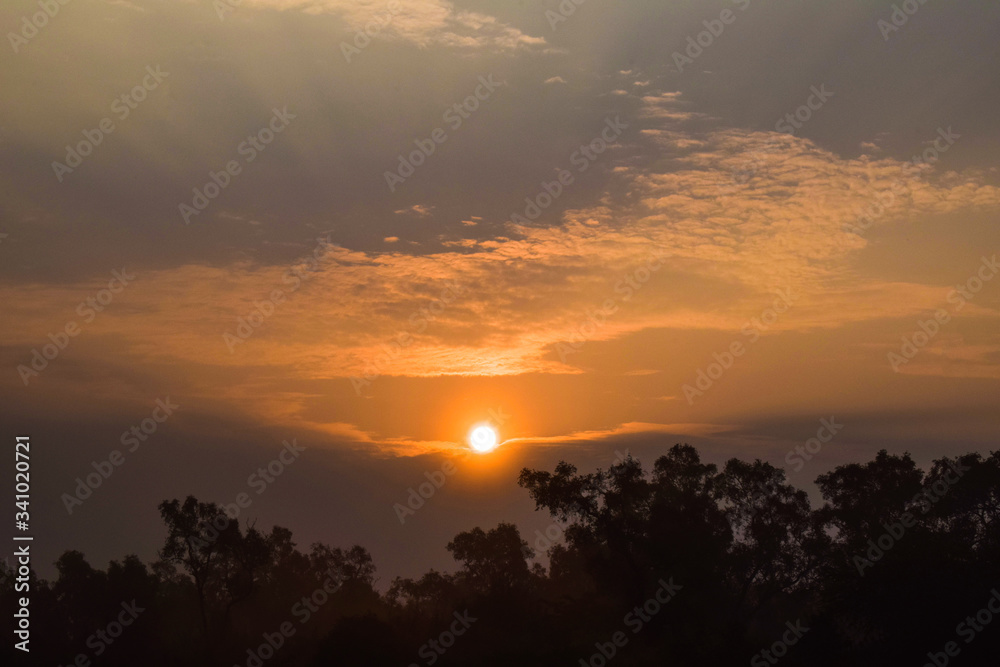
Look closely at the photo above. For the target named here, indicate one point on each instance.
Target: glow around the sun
(483, 439)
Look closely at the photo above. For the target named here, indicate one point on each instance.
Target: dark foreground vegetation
(683, 564)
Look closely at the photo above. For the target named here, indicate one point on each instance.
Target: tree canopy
(893, 565)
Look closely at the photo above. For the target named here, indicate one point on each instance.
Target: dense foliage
(885, 572)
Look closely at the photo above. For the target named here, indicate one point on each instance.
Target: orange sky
(699, 267)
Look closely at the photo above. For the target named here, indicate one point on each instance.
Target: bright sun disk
(483, 439)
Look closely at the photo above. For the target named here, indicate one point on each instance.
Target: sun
(483, 439)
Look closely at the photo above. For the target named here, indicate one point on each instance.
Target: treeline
(681, 564)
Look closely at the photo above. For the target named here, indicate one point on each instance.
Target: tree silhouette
(494, 562)
(193, 541)
(879, 574)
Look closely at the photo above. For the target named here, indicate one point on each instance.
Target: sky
(363, 227)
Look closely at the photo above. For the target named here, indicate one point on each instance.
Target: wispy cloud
(421, 22)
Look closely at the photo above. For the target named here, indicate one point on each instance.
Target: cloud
(625, 430)
(419, 210)
(533, 288)
(424, 23)
(730, 217)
